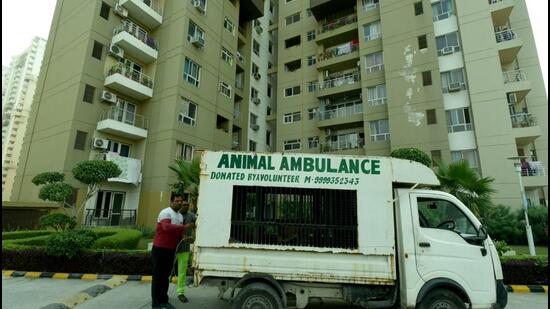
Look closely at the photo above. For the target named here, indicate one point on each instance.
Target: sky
(18, 32)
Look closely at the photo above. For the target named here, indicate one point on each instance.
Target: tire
(441, 299)
(257, 296)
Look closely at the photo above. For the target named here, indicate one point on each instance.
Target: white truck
(279, 230)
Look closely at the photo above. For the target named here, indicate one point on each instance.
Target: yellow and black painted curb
(527, 288)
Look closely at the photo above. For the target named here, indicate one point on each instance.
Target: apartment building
(455, 78)
(140, 83)
(18, 86)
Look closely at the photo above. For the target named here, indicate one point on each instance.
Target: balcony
(130, 167)
(525, 129)
(341, 113)
(130, 82)
(324, 8)
(534, 174)
(500, 10)
(508, 45)
(345, 29)
(147, 12)
(339, 57)
(110, 217)
(135, 42)
(340, 84)
(120, 122)
(240, 59)
(516, 81)
(344, 144)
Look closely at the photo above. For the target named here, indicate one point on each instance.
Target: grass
(525, 250)
(142, 244)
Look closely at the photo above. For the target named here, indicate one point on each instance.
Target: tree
(92, 173)
(188, 174)
(413, 154)
(463, 182)
(503, 224)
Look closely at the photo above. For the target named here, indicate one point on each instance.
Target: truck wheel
(257, 296)
(441, 299)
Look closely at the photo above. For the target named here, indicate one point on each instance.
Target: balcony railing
(505, 35)
(132, 74)
(523, 120)
(124, 116)
(340, 81)
(342, 145)
(342, 110)
(339, 51)
(514, 76)
(533, 168)
(335, 24)
(137, 32)
(109, 217)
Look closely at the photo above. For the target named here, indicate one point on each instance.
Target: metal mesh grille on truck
(294, 217)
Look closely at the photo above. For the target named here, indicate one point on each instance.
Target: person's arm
(167, 226)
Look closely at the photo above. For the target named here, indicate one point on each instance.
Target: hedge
(525, 270)
(24, 234)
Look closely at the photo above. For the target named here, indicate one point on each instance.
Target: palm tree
(463, 182)
(188, 174)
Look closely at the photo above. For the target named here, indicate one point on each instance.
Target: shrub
(68, 243)
(116, 238)
(525, 270)
(503, 225)
(55, 192)
(413, 154)
(48, 177)
(146, 232)
(501, 246)
(538, 219)
(58, 221)
(24, 234)
(37, 241)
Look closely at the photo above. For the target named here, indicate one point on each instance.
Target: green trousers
(183, 259)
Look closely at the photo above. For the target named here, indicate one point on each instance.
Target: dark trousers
(163, 261)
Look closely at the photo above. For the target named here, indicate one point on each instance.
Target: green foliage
(463, 182)
(68, 243)
(413, 154)
(58, 221)
(146, 232)
(538, 219)
(116, 238)
(36, 241)
(503, 224)
(501, 247)
(48, 177)
(188, 174)
(55, 192)
(540, 260)
(91, 172)
(24, 234)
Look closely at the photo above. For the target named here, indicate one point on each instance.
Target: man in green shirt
(183, 251)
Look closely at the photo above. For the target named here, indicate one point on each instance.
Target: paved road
(23, 293)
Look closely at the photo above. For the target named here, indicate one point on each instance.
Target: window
(80, 140)
(293, 65)
(88, 94)
(372, 31)
(293, 144)
(312, 113)
(188, 112)
(253, 93)
(98, 50)
(422, 42)
(441, 214)
(468, 155)
(313, 142)
(104, 12)
(370, 5)
(292, 91)
(107, 205)
(126, 112)
(252, 145)
(192, 72)
(436, 157)
(227, 56)
(311, 60)
(426, 78)
(122, 149)
(311, 35)
(268, 137)
(312, 86)
(376, 95)
(442, 10)
(256, 47)
(270, 47)
(184, 151)
(431, 117)
(374, 62)
(293, 41)
(458, 120)
(268, 112)
(453, 80)
(195, 34)
(294, 18)
(447, 43)
(269, 89)
(418, 8)
(380, 130)
(228, 25)
(292, 117)
(225, 89)
(201, 5)
(255, 69)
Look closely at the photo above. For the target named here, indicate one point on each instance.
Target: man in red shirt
(170, 229)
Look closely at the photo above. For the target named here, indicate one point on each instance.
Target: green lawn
(525, 250)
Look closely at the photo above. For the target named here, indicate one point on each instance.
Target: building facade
(457, 79)
(18, 86)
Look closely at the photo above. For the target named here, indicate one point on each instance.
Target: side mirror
(482, 234)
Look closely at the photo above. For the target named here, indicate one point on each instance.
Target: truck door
(445, 246)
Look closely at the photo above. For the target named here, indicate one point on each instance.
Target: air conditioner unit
(454, 87)
(197, 40)
(255, 127)
(512, 98)
(256, 101)
(116, 51)
(198, 5)
(100, 143)
(257, 76)
(120, 10)
(259, 29)
(447, 50)
(328, 131)
(108, 97)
